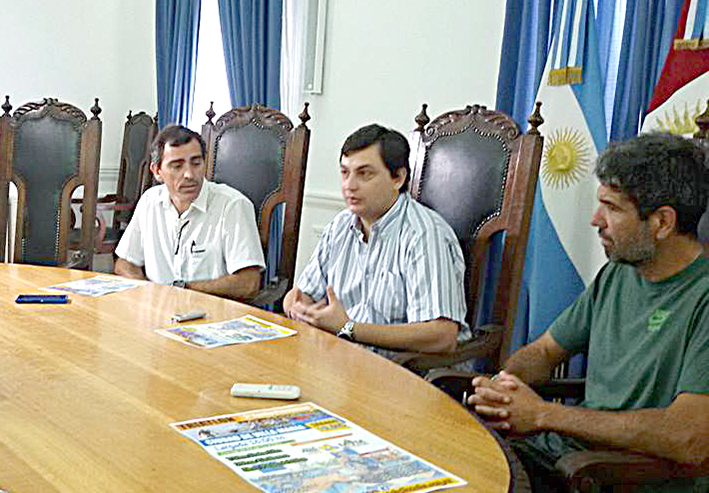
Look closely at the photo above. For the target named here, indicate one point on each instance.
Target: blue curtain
(251, 33)
(526, 40)
(522, 63)
(176, 37)
(647, 34)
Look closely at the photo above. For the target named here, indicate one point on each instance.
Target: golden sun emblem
(680, 122)
(566, 158)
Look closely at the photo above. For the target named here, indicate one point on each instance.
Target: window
(211, 82)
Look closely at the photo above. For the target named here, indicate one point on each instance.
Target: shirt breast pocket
(388, 297)
(203, 260)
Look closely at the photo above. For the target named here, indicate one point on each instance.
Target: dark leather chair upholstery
(51, 148)
(257, 151)
(133, 179)
(478, 171)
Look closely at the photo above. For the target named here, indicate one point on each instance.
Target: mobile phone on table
(43, 298)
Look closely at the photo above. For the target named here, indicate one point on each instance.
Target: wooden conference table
(88, 390)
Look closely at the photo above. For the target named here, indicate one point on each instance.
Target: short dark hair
(174, 135)
(659, 169)
(393, 148)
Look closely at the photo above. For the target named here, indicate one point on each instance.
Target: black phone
(43, 298)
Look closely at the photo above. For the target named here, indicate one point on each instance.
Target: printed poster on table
(304, 447)
(238, 331)
(97, 286)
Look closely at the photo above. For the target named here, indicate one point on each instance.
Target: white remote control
(191, 315)
(265, 391)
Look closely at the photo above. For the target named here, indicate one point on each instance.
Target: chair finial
(130, 115)
(6, 106)
(422, 118)
(96, 109)
(703, 124)
(535, 119)
(210, 113)
(304, 115)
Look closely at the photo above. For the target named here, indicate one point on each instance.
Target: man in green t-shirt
(643, 324)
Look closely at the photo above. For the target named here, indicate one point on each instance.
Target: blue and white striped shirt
(411, 269)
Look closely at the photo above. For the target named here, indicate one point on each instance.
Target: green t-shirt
(645, 341)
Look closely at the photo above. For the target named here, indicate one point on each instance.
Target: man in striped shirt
(387, 271)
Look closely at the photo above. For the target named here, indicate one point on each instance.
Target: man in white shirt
(190, 232)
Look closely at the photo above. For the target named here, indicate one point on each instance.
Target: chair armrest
(589, 469)
(106, 198)
(111, 197)
(115, 206)
(273, 291)
(562, 388)
(457, 384)
(78, 259)
(485, 343)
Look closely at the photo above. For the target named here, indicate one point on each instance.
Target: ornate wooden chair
(257, 151)
(476, 169)
(50, 149)
(133, 179)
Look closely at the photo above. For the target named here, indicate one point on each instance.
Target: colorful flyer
(238, 331)
(97, 286)
(303, 447)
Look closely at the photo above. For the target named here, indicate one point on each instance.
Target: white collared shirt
(216, 236)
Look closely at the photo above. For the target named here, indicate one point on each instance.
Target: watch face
(347, 331)
(344, 335)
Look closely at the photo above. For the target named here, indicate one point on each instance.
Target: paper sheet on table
(303, 447)
(238, 331)
(97, 286)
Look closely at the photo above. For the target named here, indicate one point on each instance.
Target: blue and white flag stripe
(697, 20)
(564, 252)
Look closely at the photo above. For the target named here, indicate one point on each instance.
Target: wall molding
(324, 200)
(108, 179)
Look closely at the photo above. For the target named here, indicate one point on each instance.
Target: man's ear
(400, 177)
(155, 170)
(665, 221)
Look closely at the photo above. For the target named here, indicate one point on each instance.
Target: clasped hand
(506, 403)
(328, 313)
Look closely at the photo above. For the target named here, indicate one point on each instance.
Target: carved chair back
(134, 175)
(50, 149)
(476, 169)
(259, 152)
(5, 176)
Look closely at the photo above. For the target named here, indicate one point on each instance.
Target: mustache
(602, 236)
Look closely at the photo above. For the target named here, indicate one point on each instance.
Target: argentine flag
(564, 253)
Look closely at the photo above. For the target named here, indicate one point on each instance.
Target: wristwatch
(347, 331)
(179, 283)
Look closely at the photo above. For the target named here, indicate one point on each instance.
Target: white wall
(383, 58)
(77, 50)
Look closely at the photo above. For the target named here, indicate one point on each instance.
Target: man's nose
(596, 219)
(349, 182)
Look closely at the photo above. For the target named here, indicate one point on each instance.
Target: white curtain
(292, 52)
